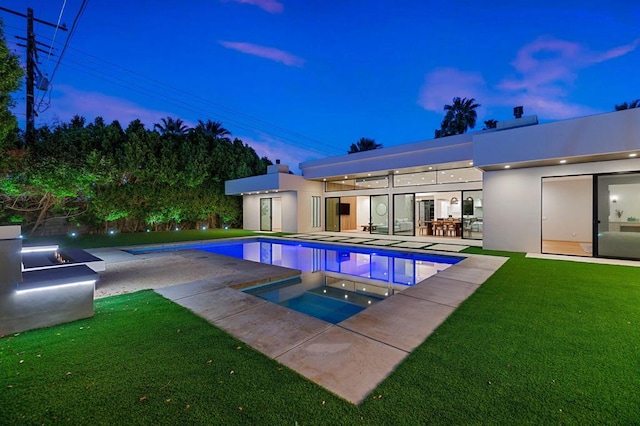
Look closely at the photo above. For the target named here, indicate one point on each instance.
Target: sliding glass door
(404, 214)
(265, 214)
(617, 212)
(567, 220)
(379, 212)
(472, 214)
(332, 214)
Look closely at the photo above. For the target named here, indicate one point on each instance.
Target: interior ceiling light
(633, 154)
(563, 161)
(507, 166)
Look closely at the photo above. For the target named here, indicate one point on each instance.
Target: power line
(226, 110)
(31, 66)
(139, 83)
(229, 114)
(190, 107)
(69, 35)
(46, 67)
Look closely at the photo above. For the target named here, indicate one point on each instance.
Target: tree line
(103, 176)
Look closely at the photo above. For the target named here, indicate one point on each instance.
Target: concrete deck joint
(349, 358)
(374, 339)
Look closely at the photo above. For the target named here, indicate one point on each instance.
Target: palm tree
(461, 115)
(364, 144)
(624, 105)
(490, 124)
(171, 126)
(212, 129)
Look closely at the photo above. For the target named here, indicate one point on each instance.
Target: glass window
(379, 214)
(265, 214)
(315, 212)
(403, 214)
(412, 179)
(373, 182)
(468, 174)
(332, 214)
(618, 210)
(369, 182)
(472, 214)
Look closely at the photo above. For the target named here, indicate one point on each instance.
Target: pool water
(385, 266)
(337, 281)
(324, 303)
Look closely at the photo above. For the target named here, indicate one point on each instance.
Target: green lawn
(541, 342)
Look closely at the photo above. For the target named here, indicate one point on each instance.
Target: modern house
(567, 187)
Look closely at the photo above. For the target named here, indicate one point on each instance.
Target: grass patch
(145, 360)
(542, 341)
(137, 238)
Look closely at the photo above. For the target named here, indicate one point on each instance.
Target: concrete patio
(349, 358)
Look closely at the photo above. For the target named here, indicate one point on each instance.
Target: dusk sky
(300, 80)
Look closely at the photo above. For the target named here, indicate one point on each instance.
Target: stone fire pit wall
(43, 297)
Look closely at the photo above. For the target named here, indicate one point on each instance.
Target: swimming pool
(337, 281)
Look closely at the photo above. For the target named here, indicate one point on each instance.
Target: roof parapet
(277, 168)
(517, 122)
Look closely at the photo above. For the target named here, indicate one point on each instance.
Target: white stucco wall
(289, 208)
(435, 151)
(586, 136)
(513, 202)
(304, 214)
(294, 210)
(567, 209)
(282, 210)
(251, 212)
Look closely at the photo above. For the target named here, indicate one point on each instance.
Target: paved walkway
(350, 358)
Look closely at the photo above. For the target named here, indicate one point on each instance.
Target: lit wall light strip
(39, 249)
(56, 287)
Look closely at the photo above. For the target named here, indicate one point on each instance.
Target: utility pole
(31, 66)
(31, 112)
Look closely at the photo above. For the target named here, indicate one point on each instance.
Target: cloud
(546, 70)
(271, 6)
(271, 53)
(68, 101)
(548, 60)
(275, 149)
(542, 77)
(443, 84)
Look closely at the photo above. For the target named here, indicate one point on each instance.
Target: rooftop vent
(518, 111)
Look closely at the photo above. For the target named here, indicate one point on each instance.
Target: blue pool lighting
(337, 281)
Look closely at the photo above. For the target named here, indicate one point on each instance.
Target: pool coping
(350, 358)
